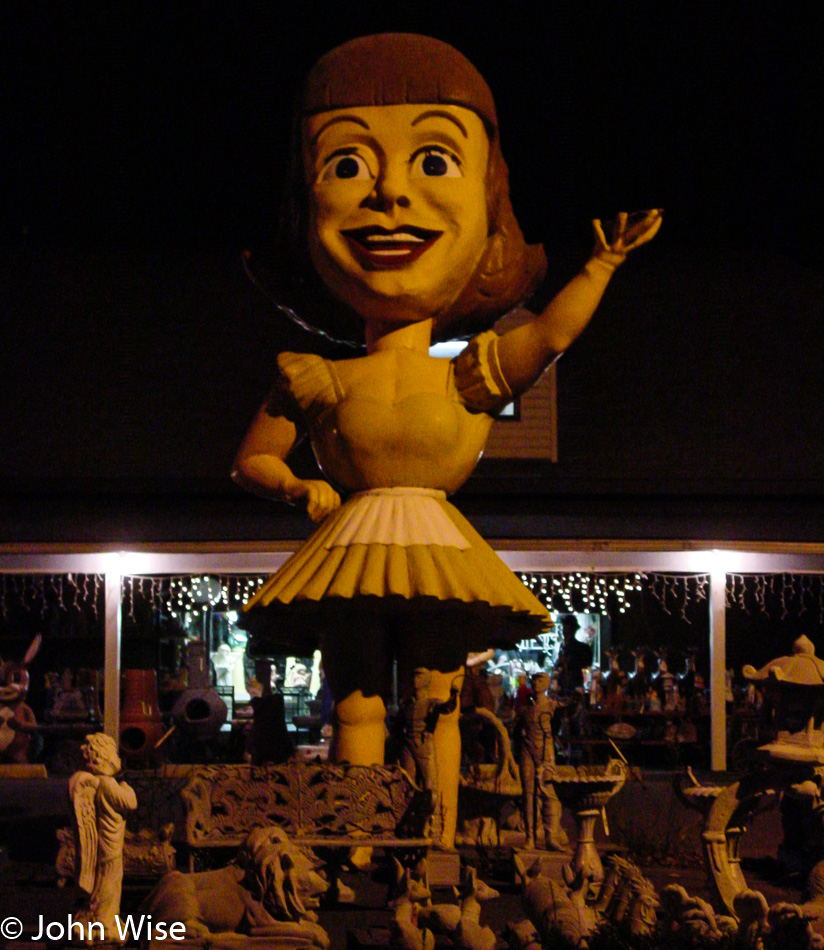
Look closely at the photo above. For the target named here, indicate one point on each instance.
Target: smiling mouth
(379, 248)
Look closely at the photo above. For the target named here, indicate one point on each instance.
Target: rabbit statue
(17, 720)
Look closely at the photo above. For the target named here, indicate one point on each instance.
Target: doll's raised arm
(524, 353)
(259, 465)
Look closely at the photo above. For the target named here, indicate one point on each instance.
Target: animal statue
(557, 906)
(470, 934)
(614, 683)
(613, 664)
(638, 676)
(682, 913)
(790, 926)
(783, 926)
(626, 898)
(664, 681)
(461, 921)
(686, 679)
(273, 889)
(397, 231)
(752, 909)
(522, 935)
(17, 720)
(814, 905)
(405, 933)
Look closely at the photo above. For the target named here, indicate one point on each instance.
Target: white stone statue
(224, 660)
(297, 676)
(239, 676)
(100, 803)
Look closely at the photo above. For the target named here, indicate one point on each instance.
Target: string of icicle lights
(193, 595)
(41, 594)
(777, 595)
(579, 592)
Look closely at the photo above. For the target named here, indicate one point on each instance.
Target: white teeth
(399, 236)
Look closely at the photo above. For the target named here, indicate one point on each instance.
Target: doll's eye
(345, 166)
(431, 162)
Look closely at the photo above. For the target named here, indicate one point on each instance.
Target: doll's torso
(397, 420)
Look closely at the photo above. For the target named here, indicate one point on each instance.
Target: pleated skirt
(395, 558)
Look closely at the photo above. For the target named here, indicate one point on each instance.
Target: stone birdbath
(585, 790)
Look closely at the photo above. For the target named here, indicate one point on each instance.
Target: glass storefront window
(185, 628)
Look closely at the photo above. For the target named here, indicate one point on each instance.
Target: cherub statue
(398, 229)
(100, 803)
(537, 749)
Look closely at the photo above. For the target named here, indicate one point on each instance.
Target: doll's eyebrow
(441, 114)
(338, 118)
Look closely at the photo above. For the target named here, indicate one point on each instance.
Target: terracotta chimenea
(140, 723)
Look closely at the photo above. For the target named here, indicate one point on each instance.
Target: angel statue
(398, 230)
(100, 803)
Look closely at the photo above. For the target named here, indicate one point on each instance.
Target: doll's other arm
(524, 353)
(259, 466)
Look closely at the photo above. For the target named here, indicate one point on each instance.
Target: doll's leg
(447, 751)
(360, 729)
(359, 674)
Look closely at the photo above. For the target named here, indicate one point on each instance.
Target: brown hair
(395, 69)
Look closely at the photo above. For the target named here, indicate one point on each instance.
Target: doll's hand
(627, 233)
(318, 496)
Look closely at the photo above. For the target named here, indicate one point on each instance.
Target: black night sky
(164, 123)
(142, 149)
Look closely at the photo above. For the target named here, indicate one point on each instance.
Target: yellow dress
(398, 434)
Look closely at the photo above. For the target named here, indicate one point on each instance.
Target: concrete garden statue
(100, 803)
(398, 231)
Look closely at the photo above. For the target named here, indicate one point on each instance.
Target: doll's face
(397, 198)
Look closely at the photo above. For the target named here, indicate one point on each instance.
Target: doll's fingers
(316, 512)
(323, 500)
(620, 227)
(645, 230)
(600, 238)
(637, 227)
(313, 503)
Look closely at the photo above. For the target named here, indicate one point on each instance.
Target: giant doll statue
(397, 230)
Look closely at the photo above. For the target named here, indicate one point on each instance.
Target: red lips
(379, 248)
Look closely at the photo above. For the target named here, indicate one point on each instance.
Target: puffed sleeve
(478, 378)
(306, 381)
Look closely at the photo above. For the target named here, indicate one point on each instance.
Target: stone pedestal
(550, 863)
(443, 868)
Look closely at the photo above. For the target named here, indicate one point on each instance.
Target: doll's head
(495, 268)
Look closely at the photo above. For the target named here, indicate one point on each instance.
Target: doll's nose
(390, 190)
